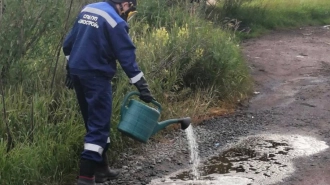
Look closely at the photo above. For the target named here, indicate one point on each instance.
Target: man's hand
(142, 87)
(68, 81)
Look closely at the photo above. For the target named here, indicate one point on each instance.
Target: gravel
(159, 159)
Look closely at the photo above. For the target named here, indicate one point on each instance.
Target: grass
(264, 15)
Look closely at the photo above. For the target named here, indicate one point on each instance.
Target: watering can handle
(127, 96)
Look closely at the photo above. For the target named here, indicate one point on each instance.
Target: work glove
(68, 80)
(142, 87)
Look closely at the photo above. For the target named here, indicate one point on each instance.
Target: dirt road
(291, 69)
(292, 73)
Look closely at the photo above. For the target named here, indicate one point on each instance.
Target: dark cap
(122, 1)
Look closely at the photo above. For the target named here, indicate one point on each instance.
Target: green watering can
(139, 121)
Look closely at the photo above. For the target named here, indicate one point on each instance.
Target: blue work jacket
(98, 38)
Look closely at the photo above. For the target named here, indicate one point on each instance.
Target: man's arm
(69, 41)
(124, 51)
(67, 48)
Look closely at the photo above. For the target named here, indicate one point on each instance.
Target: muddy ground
(291, 69)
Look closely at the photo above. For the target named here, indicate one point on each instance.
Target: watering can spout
(185, 122)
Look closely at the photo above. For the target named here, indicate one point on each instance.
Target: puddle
(232, 160)
(262, 159)
(224, 180)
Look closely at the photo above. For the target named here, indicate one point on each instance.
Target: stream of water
(194, 157)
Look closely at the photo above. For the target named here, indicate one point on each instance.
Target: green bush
(193, 57)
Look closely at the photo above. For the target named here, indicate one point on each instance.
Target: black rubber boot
(106, 174)
(86, 181)
(86, 173)
(103, 172)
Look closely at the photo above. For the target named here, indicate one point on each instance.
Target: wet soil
(291, 69)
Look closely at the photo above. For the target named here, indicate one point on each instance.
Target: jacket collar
(113, 5)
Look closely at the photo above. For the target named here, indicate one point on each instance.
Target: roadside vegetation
(190, 55)
(260, 16)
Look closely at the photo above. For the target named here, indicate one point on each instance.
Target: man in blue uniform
(98, 38)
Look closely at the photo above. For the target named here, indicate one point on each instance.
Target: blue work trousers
(94, 96)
